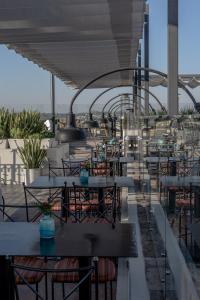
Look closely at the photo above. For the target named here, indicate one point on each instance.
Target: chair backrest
(94, 204)
(40, 194)
(15, 211)
(72, 168)
(55, 171)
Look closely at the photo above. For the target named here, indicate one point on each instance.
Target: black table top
(81, 240)
(94, 181)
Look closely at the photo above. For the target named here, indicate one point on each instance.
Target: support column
(53, 118)
(172, 57)
(146, 59)
(135, 104)
(139, 80)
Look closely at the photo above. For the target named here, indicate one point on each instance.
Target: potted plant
(32, 157)
(47, 223)
(24, 125)
(4, 127)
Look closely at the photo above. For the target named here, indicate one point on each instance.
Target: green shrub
(31, 154)
(5, 118)
(26, 123)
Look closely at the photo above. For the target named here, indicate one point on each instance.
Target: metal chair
(24, 273)
(16, 212)
(105, 272)
(95, 204)
(51, 194)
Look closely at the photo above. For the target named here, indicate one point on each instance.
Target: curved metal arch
(121, 104)
(131, 95)
(197, 105)
(113, 99)
(119, 107)
(133, 85)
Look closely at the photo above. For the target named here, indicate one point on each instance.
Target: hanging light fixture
(91, 123)
(70, 133)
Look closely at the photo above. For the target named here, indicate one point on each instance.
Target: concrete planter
(45, 143)
(14, 143)
(49, 143)
(30, 175)
(3, 144)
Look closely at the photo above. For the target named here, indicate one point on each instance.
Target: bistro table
(93, 181)
(71, 240)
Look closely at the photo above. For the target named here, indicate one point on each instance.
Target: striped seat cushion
(31, 276)
(184, 202)
(106, 270)
(56, 206)
(66, 263)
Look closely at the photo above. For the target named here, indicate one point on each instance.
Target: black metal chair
(21, 271)
(72, 168)
(105, 272)
(95, 204)
(17, 212)
(54, 195)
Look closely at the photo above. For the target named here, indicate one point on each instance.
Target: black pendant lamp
(91, 123)
(70, 133)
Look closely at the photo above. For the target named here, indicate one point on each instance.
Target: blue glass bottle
(47, 227)
(84, 176)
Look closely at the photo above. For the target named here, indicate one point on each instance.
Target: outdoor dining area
(66, 236)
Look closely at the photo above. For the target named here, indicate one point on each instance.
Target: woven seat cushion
(66, 263)
(31, 276)
(106, 270)
(184, 203)
(79, 207)
(100, 172)
(56, 206)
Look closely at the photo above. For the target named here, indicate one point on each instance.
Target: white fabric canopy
(76, 40)
(190, 80)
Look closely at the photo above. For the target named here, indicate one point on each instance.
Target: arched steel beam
(196, 105)
(118, 105)
(120, 85)
(131, 95)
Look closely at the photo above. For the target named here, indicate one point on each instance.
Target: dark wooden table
(80, 240)
(94, 181)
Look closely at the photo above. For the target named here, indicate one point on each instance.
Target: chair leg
(105, 291)
(46, 285)
(63, 289)
(111, 291)
(52, 290)
(36, 288)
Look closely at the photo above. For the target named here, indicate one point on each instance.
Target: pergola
(76, 40)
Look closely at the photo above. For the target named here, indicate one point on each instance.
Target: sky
(24, 84)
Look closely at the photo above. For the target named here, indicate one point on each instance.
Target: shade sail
(190, 80)
(76, 40)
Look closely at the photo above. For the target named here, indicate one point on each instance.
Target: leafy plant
(187, 110)
(86, 165)
(31, 154)
(45, 208)
(48, 135)
(18, 133)
(5, 118)
(26, 123)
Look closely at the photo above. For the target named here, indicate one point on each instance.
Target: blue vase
(84, 176)
(47, 227)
